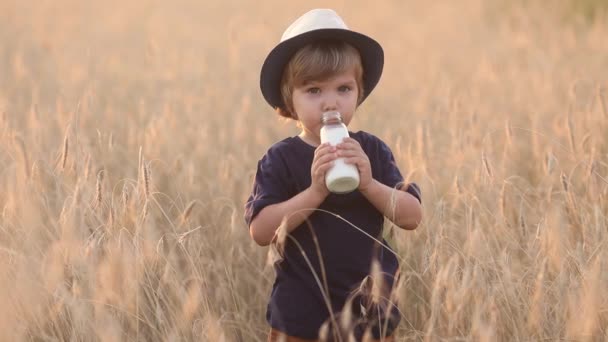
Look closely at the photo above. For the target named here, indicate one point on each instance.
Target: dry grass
(130, 131)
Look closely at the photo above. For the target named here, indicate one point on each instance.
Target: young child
(320, 65)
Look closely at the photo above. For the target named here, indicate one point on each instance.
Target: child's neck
(310, 140)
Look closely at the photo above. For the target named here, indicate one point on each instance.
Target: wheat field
(130, 133)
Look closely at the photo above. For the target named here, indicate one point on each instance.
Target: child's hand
(351, 151)
(325, 154)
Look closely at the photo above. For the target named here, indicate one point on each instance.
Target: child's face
(312, 99)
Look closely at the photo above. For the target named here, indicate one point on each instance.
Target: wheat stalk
(87, 166)
(188, 211)
(64, 155)
(23, 151)
(570, 126)
(98, 189)
(146, 174)
(125, 197)
(486, 165)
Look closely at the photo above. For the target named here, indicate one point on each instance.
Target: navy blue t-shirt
(297, 306)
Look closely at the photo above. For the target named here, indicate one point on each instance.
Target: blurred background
(130, 133)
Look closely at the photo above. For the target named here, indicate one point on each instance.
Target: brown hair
(316, 62)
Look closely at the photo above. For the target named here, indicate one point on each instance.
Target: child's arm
(298, 208)
(399, 206)
(295, 210)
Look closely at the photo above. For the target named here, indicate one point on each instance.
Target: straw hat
(314, 25)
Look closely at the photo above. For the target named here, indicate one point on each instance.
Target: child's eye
(345, 89)
(313, 90)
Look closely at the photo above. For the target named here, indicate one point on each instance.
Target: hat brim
(372, 58)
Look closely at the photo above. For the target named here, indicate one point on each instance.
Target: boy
(320, 65)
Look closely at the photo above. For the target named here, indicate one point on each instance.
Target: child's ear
(286, 113)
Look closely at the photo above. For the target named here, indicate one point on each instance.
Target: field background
(130, 133)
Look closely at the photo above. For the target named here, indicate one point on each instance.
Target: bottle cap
(331, 116)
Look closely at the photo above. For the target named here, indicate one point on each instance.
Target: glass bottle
(341, 178)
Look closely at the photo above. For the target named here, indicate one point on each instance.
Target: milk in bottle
(341, 178)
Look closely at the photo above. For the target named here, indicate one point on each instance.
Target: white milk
(341, 178)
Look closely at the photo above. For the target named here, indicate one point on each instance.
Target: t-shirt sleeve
(269, 186)
(414, 190)
(391, 176)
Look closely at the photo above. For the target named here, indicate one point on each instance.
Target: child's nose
(330, 103)
(329, 108)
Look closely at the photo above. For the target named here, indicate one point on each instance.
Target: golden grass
(130, 132)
